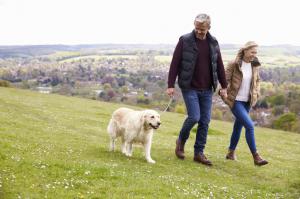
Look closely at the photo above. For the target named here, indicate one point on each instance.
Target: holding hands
(223, 92)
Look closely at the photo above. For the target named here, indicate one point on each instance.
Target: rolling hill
(54, 146)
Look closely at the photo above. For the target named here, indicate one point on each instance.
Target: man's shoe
(258, 161)
(179, 150)
(200, 158)
(230, 155)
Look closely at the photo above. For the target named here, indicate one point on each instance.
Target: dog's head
(151, 119)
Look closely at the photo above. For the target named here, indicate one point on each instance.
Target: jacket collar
(208, 36)
(254, 63)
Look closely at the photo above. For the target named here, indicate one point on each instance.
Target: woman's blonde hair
(248, 45)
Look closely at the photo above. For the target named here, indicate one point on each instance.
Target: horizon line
(150, 44)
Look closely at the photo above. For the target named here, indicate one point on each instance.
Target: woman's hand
(223, 92)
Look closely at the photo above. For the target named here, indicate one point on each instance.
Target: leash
(170, 101)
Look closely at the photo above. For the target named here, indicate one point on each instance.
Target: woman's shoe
(258, 161)
(230, 155)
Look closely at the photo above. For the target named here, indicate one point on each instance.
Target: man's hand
(223, 92)
(170, 91)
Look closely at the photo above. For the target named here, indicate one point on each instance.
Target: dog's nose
(158, 123)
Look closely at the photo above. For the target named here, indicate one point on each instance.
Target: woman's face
(250, 54)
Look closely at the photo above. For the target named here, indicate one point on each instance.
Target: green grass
(54, 146)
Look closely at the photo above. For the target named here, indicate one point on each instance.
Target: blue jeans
(198, 105)
(241, 112)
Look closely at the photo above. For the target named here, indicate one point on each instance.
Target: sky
(33, 22)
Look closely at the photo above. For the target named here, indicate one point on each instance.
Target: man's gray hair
(203, 18)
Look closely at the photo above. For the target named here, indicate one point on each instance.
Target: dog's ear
(143, 118)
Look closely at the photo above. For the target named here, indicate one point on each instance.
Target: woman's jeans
(241, 112)
(198, 105)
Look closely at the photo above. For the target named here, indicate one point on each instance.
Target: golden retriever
(133, 126)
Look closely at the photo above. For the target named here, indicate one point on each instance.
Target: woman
(242, 76)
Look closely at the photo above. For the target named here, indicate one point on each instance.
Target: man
(198, 64)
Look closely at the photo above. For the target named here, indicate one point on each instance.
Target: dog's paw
(128, 154)
(151, 161)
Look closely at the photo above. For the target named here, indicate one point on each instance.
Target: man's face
(201, 29)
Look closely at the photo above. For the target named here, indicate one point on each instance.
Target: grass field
(54, 146)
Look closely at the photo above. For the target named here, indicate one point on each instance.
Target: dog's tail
(112, 128)
(112, 131)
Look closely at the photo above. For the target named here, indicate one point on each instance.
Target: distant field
(61, 54)
(97, 57)
(270, 56)
(267, 60)
(163, 58)
(53, 146)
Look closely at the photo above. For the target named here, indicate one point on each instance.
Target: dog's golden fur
(133, 126)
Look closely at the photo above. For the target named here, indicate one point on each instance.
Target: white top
(244, 91)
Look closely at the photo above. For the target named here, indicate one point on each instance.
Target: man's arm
(221, 71)
(174, 68)
(221, 76)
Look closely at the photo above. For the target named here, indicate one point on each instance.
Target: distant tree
(253, 115)
(107, 95)
(111, 94)
(180, 108)
(121, 81)
(124, 90)
(108, 79)
(103, 95)
(55, 81)
(277, 100)
(217, 114)
(278, 110)
(144, 84)
(4, 83)
(7, 75)
(107, 86)
(228, 116)
(122, 71)
(135, 80)
(262, 104)
(296, 126)
(124, 99)
(160, 96)
(161, 83)
(294, 107)
(142, 100)
(65, 89)
(25, 85)
(285, 122)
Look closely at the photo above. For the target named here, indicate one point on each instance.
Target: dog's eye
(152, 116)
